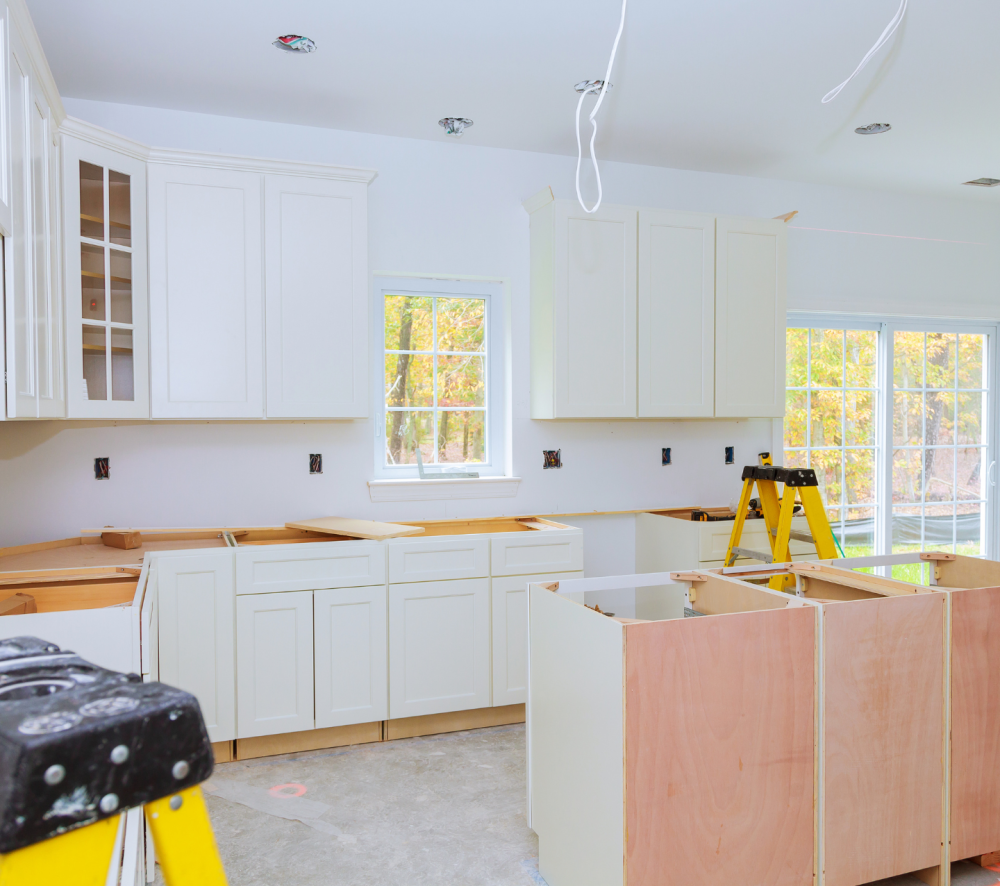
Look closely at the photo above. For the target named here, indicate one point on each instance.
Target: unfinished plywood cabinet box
(779, 741)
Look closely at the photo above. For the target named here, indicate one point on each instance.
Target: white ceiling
(717, 85)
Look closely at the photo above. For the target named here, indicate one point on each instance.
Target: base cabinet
(351, 656)
(439, 647)
(195, 596)
(509, 602)
(274, 663)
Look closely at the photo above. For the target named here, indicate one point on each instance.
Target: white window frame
(492, 291)
(887, 327)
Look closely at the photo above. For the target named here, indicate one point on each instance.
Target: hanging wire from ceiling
(886, 34)
(603, 86)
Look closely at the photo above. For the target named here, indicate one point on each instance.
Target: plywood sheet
(719, 750)
(87, 555)
(968, 572)
(356, 528)
(975, 722)
(883, 683)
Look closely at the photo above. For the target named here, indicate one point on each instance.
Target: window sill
(432, 490)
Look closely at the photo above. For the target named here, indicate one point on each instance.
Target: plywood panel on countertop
(884, 736)
(720, 739)
(356, 528)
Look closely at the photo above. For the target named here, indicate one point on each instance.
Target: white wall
(451, 208)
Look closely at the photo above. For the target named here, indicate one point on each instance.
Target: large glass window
(896, 420)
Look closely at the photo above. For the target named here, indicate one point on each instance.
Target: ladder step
(798, 536)
(753, 555)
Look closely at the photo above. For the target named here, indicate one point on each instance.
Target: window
(896, 418)
(439, 356)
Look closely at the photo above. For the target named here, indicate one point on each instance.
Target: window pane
(460, 381)
(939, 474)
(409, 323)
(907, 475)
(969, 529)
(121, 286)
(91, 201)
(829, 472)
(940, 423)
(826, 418)
(907, 529)
(122, 373)
(970, 360)
(970, 418)
(796, 460)
(795, 418)
(859, 532)
(940, 360)
(404, 433)
(461, 324)
(908, 359)
(827, 358)
(409, 380)
(796, 361)
(460, 437)
(859, 465)
(971, 471)
(859, 418)
(861, 352)
(92, 281)
(939, 527)
(119, 208)
(907, 419)
(95, 367)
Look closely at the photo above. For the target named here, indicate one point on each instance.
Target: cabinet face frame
(74, 151)
(676, 297)
(243, 336)
(296, 277)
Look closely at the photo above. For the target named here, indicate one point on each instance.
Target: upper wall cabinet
(750, 307)
(215, 224)
(583, 321)
(107, 333)
(34, 340)
(315, 306)
(640, 313)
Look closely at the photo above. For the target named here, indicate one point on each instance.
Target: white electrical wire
(886, 34)
(593, 121)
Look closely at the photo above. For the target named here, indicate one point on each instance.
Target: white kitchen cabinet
(439, 559)
(509, 603)
(33, 315)
(583, 312)
(303, 567)
(351, 656)
(107, 331)
(316, 317)
(439, 647)
(205, 290)
(750, 317)
(532, 553)
(6, 206)
(274, 663)
(676, 314)
(196, 633)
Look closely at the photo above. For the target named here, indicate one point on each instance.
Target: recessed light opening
(294, 43)
(984, 182)
(455, 125)
(873, 128)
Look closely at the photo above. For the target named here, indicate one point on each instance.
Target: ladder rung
(753, 555)
(797, 535)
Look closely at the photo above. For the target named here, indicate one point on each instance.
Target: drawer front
(307, 566)
(534, 553)
(714, 539)
(461, 556)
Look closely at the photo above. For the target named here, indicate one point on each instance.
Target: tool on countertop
(777, 514)
(80, 744)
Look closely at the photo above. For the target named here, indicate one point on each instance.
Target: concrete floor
(443, 809)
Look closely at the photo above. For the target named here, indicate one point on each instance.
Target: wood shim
(19, 604)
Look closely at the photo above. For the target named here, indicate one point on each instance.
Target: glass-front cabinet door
(105, 247)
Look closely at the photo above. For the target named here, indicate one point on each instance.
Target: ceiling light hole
(294, 43)
(595, 85)
(455, 125)
(983, 182)
(873, 128)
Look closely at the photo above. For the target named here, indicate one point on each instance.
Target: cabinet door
(274, 663)
(196, 632)
(107, 336)
(351, 656)
(676, 310)
(594, 312)
(439, 647)
(316, 318)
(750, 299)
(509, 602)
(205, 290)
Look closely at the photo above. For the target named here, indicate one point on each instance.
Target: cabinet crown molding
(104, 138)
(256, 164)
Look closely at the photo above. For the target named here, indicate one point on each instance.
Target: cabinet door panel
(676, 311)
(351, 656)
(750, 308)
(439, 647)
(205, 276)
(274, 663)
(533, 553)
(316, 314)
(196, 633)
(460, 556)
(594, 312)
(509, 602)
(302, 567)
